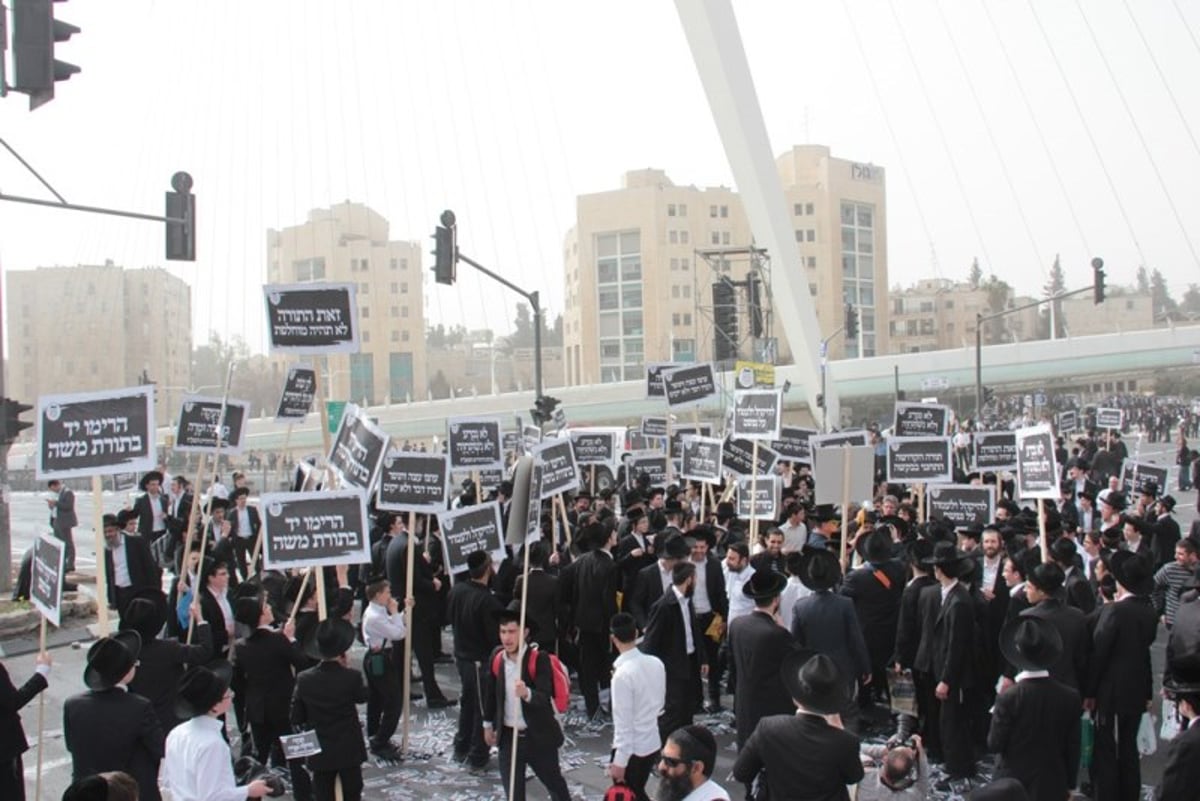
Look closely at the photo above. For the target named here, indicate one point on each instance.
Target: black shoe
(416, 696)
(440, 703)
(713, 707)
(443, 659)
(388, 752)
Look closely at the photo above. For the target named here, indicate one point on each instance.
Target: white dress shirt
(794, 537)
(946, 589)
(664, 575)
(792, 592)
(709, 791)
(197, 765)
(639, 691)
(684, 603)
(739, 604)
(380, 628)
(514, 714)
(700, 597)
(121, 563)
(243, 518)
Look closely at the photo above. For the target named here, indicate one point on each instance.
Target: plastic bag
(1147, 743)
(1087, 740)
(903, 692)
(1170, 721)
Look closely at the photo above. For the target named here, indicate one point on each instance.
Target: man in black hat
(673, 636)
(806, 755)
(1120, 683)
(244, 525)
(109, 728)
(1181, 776)
(198, 763)
(151, 508)
(129, 565)
(12, 736)
(758, 644)
(471, 609)
(908, 633)
(162, 662)
(711, 605)
(542, 600)
(876, 588)
(634, 550)
(1035, 723)
(1164, 529)
(325, 701)
(63, 520)
(1077, 590)
(824, 520)
(589, 587)
(1043, 590)
(655, 578)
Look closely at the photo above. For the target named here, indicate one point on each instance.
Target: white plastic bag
(1170, 721)
(1147, 744)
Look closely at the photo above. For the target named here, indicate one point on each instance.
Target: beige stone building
(641, 261)
(939, 314)
(349, 243)
(1122, 310)
(98, 327)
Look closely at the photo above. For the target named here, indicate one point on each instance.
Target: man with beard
(129, 566)
(686, 766)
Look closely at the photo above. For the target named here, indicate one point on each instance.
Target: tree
(1190, 307)
(1162, 302)
(976, 274)
(1056, 284)
(435, 337)
(439, 387)
(255, 378)
(522, 337)
(998, 294)
(1143, 280)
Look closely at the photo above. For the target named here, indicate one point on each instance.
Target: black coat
(630, 565)
(1035, 734)
(471, 611)
(268, 663)
(666, 638)
(1164, 536)
(541, 605)
(908, 627)
(542, 729)
(714, 585)
(210, 610)
(876, 591)
(325, 700)
(1071, 667)
(947, 636)
(145, 513)
(1120, 678)
(828, 624)
(759, 645)
(806, 759)
(114, 730)
(588, 588)
(1181, 776)
(162, 662)
(12, 699)
(644, 593)
(1079, 591)
(231, 515)
(144, 572)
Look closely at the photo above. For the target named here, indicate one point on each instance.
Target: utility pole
(5, 531)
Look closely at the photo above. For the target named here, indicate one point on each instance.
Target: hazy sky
(1003, 132)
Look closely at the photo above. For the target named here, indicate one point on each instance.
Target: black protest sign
(737, 457)
(640, 442)
(654, 426)
(533, 509)
(474, 443)
(512, 443)
(757, 413)
(758, 497)
(358, 449)
(651, 464)
(838, 439)
(309, 529)
(530, 437)
(556, 458)
(1068, 421)
(46, 577)
(700, 459)
(919, 460)
(679, 433)
(312, 318)
(995, 450)
(688, 386)
(921, 420)
(1136, 475)
(595, 447)
(962, 505)
(298, 391)
(299, 746)
(412, 482)
(96, 433)
(198, 420)
(1037, 471)
(1110, 418)
(470, 529)
(793, 444)
(654, 373)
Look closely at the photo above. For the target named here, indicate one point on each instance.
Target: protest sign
(758, 497)
(530, 437)
(753, 375)
(700, 458)
(511, 443)
(1136, 475)
(470, 529)
(474, 443)
(1037, 471)
(358, 450)
(640, 442)
(679, 432)
(837, 439)
(995, 450)
(198, 420)
(96, 433)
(312, 318)
(298, 746)
(652, 464)
(654, 426)
(556, 458)
(309, 529)
(533, 509)
(757, 413)
(737, 457)
(690, 385)
(654, 384)
(124, 481)
(1067, 421)
(595, 447)
(962, 505)
(830, 471)
(1110, 418)
(299, 389)
(921, 420)
(413, 482)
(46, 577)
(793, 444)
(914, 460)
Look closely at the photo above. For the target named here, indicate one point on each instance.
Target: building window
(619, 295)
(306, 269)
(364, 288)
(364, 265)
(683, 350)
(724, 211)
(682, 209)
(799, 235)
(712, 212)
(812, 261)
(715, 238)
(395, 311)
(404, 311)
(687, 290)
(403, 336)
(798, 209)
(683, 264)
(808, 208)
(684, 237)
(858, 270)
(403, 287)
(724, 237)
(670, 209)
(394, 264)
(366, 337)
(365, 312)
(949, 304)
(394, 287)
(395, 336)
(675, 291)
(674, 265)
(673, 237)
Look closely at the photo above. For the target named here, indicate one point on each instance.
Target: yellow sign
(749, 375)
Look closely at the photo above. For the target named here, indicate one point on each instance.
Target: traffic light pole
(824, 371)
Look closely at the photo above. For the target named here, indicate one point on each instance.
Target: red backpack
(562, 679)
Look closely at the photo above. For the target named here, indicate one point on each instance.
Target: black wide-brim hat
(202, 687)
(814, 681)
(948, 558)
(330, 638)
(820, 569)
(152, 475)
(875, 547)
(1030, 643)
(216, 503)
(823, 513)
(1134, 573)
(1184, 677)
(764, 584)
(110, 658)
(146, 613)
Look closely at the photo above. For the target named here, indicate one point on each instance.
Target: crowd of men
(1016, 669)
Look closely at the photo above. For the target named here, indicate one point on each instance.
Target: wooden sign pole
(410, 557)
(300, 595)
(101, 565)
(921, 502)
(512, 770)
(754, 494)
(1043, 541)
(566, 521)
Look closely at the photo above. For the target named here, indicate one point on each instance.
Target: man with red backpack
(519, 703)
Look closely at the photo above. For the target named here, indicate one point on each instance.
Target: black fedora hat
(1184, 677)
(124, 516)
(1114, 500)
(814, 682)
(764, 584)
(247, 610)
(202, 687)
(1030, 643)
(674, 547)
(876, 547)
(111, 521)
(1134, 573)
(110, 658)
(330, 638)
(151, 475)
(948, 558)
(146, 613)
(820, 569)
(823, 513)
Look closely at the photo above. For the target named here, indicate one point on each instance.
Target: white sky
(505, 110)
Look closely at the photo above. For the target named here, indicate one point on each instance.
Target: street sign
(935, 382)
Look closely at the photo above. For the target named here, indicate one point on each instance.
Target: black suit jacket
(644, 593)
(665, 636)
(876, 591)
(947, 636)
(268, 662)
(1079, 590)
(908, 624)
(114, 730)
(541, 727)
(1072, 664)
(759, 645)
(144, 572)
(805, 758)
(325, 700)
(828, 624)
(1181, 776)
(210, 610)
(588, 590)
(255, 522)
(162, 662)
(541, 605)
(630, 565)
(12, 699)
(145, 513)
(1120, 678)
(1035, 733)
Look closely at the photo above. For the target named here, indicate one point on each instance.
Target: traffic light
(851, 321)
(10, 413)
(445, 250)
(35, 32)
(1098, 280)
(543, 410)
(181, 205)
(725, 319)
